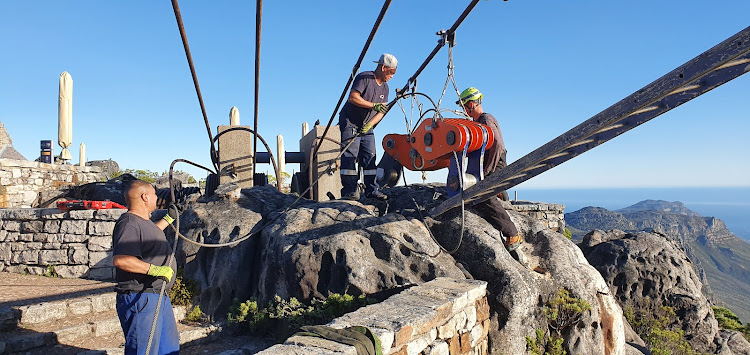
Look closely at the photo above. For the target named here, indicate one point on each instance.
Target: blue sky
(543, 66)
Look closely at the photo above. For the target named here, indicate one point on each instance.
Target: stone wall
(443, 316)
(551, 214)
(75, 243)
(22, 181)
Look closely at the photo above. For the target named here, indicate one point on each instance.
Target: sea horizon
(730, 204)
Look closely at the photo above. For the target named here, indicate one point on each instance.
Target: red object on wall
(87, 205)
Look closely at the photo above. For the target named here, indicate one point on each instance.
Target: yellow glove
(380, 108)
(164, 272)
(366, 128)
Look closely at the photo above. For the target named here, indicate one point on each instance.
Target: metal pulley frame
(718, 65)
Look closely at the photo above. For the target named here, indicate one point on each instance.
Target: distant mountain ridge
(722, 258)
(675, 207)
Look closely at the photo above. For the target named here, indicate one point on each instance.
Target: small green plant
(543, 345)
(653, 322)
(141, 174)
(728, 320)
(183, 290)
(562, 312)
(195, 315)
(51, 271)
(568, 234)
(284, 317)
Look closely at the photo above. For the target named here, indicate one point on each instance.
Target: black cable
(354, 71)
(185, 45)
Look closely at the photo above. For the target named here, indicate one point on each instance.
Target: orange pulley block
(430, 146)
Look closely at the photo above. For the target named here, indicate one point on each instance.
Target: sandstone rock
(313, 249)
(649, 265)
(517, 294)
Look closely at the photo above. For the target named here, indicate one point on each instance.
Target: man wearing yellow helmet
(494, 159)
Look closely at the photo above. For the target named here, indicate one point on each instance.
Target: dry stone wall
(22, 181)
(72, 243)
(443, 316)
(551, 215)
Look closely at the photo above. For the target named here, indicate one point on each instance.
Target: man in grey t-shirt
(141, 252)
(362, 111)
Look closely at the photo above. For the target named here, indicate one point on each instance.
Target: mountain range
(721, 258)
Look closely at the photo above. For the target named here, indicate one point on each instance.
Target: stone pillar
(329, 150)
(280, 154)
(235, 156)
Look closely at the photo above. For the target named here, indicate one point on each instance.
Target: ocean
(730, 204)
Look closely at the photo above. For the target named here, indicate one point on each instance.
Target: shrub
(51, 271)
(562, 313)
(568, 234)
(183, 290)
(653, 323)
(282, 318)
(728, 320)
(195, 315)
(141, 174)
(543, 345)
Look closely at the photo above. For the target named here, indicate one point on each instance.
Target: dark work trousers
(492, 211)
(136, 312)
(363, 149)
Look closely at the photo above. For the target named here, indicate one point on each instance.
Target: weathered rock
(314, 249)
(731, 342)
(517, 294)
(338, 247)
(649, 265)
(228, 273)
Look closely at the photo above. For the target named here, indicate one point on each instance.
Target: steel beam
(716, 66)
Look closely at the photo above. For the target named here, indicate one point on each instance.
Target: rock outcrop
(314, 249)
(719, 257)
(643, 265)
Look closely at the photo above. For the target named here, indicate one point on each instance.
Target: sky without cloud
(543, 66)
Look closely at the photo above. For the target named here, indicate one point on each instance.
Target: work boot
(512, 243)
(378, 195)
(352, 196)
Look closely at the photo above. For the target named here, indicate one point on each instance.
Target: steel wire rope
(258, 18)
(374, 30)
(186, 46)
(270, 153)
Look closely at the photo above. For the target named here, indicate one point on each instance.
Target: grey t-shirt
(494, 158)
(142, 239)
(369, 89)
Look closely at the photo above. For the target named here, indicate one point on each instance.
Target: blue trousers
(136, 312)
(362, 150)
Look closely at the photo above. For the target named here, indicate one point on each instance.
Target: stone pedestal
(326, 156)
(235, 156)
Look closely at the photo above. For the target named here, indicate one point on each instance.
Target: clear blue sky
(543, 66)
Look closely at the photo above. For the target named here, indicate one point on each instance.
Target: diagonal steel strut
(718, 65)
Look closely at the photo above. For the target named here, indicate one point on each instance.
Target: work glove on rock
(172, 212)
(380, 108)
(365, 129)
(165, 272)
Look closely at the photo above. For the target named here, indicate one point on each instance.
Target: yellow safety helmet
(470, 94)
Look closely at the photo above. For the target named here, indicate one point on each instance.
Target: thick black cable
(270, 153)
(258, 18)
(178, 17)
(354, 71)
